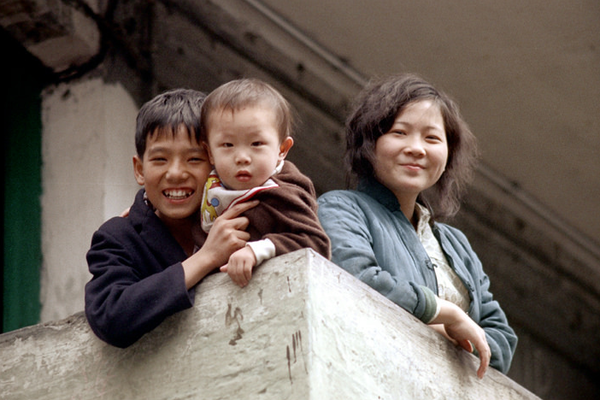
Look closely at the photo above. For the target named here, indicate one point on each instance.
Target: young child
(247, 127)
(144, 265)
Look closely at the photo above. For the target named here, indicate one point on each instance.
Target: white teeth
(177, 194)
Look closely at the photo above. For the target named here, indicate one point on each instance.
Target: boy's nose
(176, 171)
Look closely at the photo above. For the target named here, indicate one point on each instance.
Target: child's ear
(285, 146)
(138, 170)
(210, 157)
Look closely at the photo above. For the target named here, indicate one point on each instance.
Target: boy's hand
(228, 234)
(240, 266)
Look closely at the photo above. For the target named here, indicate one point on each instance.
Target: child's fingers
(247, 271)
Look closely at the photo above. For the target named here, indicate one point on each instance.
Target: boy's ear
(285, 147)
(138, 170)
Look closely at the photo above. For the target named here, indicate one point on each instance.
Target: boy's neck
(181, 229)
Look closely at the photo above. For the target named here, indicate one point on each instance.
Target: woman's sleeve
(124, 300)
(348, 229)
(500, 336)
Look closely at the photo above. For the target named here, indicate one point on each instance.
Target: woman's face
(412, 156)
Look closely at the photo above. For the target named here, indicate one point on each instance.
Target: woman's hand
(462, 329)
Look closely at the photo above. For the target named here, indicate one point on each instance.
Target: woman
(412, 155)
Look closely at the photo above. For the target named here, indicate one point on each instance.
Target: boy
(246, 126)
(144, 266)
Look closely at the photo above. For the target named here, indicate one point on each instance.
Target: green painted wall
(21, 143)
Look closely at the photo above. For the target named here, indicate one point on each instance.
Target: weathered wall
(87, 149)
(302, 329)
(547, 283)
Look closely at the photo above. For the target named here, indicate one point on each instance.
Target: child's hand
(240, 266)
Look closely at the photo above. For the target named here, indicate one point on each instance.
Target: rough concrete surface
(302, 329)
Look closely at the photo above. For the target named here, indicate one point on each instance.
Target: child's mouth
(177, 194)
(243, 176)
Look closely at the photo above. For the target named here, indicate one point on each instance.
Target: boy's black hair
(165, 113)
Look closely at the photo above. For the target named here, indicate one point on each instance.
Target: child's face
(244, 146)
(173, 171)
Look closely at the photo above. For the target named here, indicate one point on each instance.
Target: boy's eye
(255, 144)
(227, 145)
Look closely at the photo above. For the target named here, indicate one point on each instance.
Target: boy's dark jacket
(138, 278)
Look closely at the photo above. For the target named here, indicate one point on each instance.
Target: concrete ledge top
(302, 329)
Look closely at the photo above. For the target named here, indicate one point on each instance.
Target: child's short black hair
(237, 94)
(166, 112)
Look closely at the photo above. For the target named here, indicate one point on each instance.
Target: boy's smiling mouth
(177, 194)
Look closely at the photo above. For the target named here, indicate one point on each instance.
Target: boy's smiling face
(245, 145)
(173, 171)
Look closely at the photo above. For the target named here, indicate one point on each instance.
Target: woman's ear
(285, 147)
(138, 170)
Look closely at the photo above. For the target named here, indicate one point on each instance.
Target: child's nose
(242, 157)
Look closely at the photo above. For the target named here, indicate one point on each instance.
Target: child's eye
(227, 145)
(255, 144)
(400, 133)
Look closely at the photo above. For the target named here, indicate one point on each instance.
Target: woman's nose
(415, 146)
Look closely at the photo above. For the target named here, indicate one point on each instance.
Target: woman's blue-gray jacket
(373, 240)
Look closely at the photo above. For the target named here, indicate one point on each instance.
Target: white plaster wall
(87, 146)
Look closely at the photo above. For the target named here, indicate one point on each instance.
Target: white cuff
(263, 250)
(438, 308)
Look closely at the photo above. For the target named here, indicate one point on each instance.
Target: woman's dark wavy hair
(165, 113)
(373, 115)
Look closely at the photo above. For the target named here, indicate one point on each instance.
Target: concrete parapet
(302, 329)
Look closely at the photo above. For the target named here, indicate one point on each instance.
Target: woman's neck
(408, 204)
